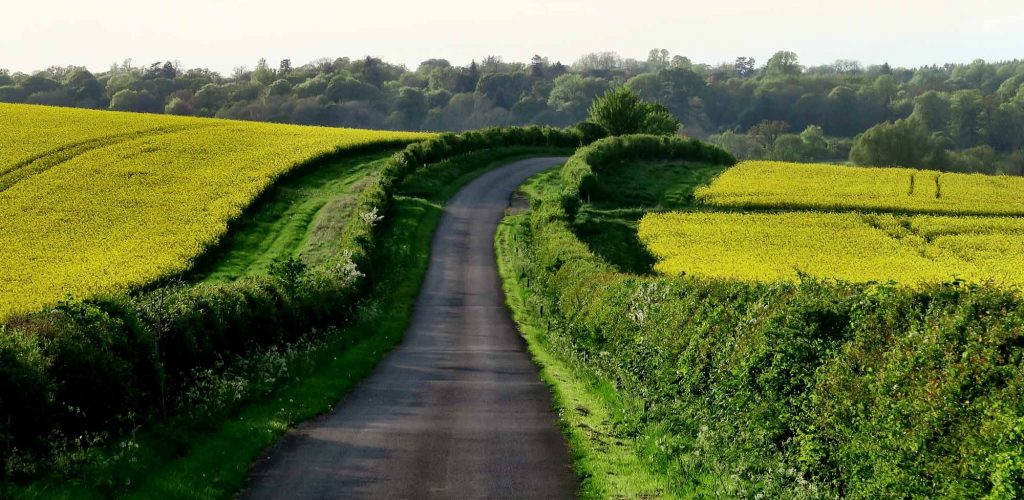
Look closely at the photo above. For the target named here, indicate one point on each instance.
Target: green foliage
(905, 143)
(813, 389)
(582, 172)
(622, 112)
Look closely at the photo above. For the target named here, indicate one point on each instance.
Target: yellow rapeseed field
(93, 201)
(765, 184)
(910, 249)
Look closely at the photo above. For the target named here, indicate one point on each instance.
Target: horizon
(226, 36)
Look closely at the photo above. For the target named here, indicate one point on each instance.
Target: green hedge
(808, 389)
(107, 364)
(581, 174)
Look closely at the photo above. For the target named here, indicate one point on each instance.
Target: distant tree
(767, 132)
(467, 79)
(741, 146)
(814, 143)
(284, 67)
(966, 118)
(36, 83)
(262, 74)
(12, 94)
(572, 93)
(620, 112)
(905, 143)
(279, 88)
(788, 147)
(210, 98)
(932, 109)
(411, 108)
(178, 106)
(130, 100)
(344, 88)
(658, 58)
(744, 67)
(783, 63)
(537, 65)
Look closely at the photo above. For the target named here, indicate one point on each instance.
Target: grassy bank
(302, 217)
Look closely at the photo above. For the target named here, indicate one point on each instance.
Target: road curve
(457, 410)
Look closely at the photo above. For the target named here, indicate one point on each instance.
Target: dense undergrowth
(83, 374)
(808, 389)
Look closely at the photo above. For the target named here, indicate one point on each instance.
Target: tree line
(955, 116)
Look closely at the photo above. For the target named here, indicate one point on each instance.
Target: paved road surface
(457, 410)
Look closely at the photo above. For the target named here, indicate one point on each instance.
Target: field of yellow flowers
(778, 185)
(93, 201)
(853, 224)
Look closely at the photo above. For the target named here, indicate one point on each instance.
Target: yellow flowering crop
(93, 201)
(910, 249)
(764, 184)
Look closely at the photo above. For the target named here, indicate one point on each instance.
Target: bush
(620, 112)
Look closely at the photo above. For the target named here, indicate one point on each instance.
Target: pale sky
(222, 34)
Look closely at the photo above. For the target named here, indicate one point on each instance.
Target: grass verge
(588, 407)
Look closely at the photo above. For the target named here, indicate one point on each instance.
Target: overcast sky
(222, 34)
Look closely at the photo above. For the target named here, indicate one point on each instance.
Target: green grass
(588, 407)
(214, 461)
(608, 224)
(614, 455)
(301, 217)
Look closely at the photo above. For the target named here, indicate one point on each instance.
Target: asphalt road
(458, 409)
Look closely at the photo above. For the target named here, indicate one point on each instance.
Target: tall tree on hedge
(622, 112)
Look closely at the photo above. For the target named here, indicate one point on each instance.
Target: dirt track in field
(458, 409)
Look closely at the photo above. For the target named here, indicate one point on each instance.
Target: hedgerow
(796, 389)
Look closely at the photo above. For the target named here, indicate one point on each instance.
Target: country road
(458, 409)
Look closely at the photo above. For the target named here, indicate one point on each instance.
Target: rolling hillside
(95, 201)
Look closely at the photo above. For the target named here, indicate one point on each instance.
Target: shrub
(620, 112)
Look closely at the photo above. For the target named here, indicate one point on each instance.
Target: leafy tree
(37, 83)
(572, 93)
(178, 106)
(620, 112)
(783, 63)
(280, 87)
(932, 109)
(284, 67)
(767, 132)
(411, 108)
(966, 118)
(130, 100)
(262, 74)
(744, 67)
(905, 143)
